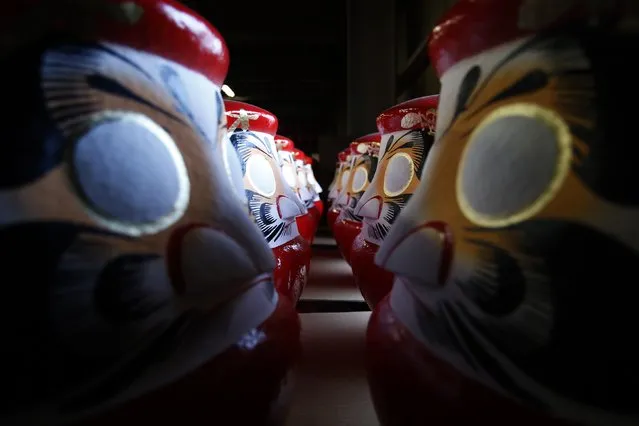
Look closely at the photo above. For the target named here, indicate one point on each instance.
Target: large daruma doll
(407, 134)
(511, 302)
(271, 200)
(363, 162)
(141, 291)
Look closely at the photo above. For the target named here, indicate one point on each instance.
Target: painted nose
(207, 266)
(369, 209)
(422, 253)
(289, 208)
(343, 199)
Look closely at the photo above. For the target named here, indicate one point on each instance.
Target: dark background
(326, 69)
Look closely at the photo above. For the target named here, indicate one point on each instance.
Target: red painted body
(245, 386)
(373, 281)
(316, 215)
(345, 232)
(306, 226)
(411, 387)
(293, 261)
(319, 205)
(331, 218)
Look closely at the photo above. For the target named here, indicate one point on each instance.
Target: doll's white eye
(360, 178)
(289, 175)
(234, 168)
(345, 176)
(260, 175)
(513, 165)
(399, 174)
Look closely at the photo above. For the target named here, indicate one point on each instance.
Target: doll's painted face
(289, 170)
(117, 201)
(305, 188)
(523, 228)
(310, 177)
(401, 162)
(332, 188)
(271, 200)
(362, 171)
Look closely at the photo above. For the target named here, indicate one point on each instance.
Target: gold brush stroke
(562, 169)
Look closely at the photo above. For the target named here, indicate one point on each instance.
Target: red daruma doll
(407, 131)
(271, 201)
(308, 222)
(339, 182)
(316, 189)
(286, 150)
(513, 302)
(363, 162)
(141, 291)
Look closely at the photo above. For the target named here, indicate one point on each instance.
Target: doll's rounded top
(250, 117)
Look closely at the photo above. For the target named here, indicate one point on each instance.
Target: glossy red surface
(392, 120)
(298, 154)
(257, 119)
(283, 143)
(345, 232)
(474, 26)
(315, 216)
(331, 217)
(161, 27)
(292, 263)
(342, 156)
(411, 387)
(371, 137)
(373, 281)
(306, 226)
(319, 205)
(242, 386)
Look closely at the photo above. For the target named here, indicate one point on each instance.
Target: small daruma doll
(363, 162)
(512, 303)
(315, 186)
(271, 200)
(339, 182)
(407, 131)
(332, 186)
(286, 150)
(307, 223)
(141, 291)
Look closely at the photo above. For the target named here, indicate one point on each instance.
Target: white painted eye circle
(345, 177)
(260, 175)
(399, 174)
(288, 172)
(301, 176)
(234, 169)
(513, 165)
(360, 178)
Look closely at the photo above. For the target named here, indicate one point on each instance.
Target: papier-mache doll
(513, 300)
(342, 174)
(407, 134)
(316, 187)
(308, 222)
(271, 200)
(360, 172)
(330, 198)
(286, 149)
(140, 290)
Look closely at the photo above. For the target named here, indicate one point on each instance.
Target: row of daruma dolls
(374, 179)
(280, 186)
(151, 255)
